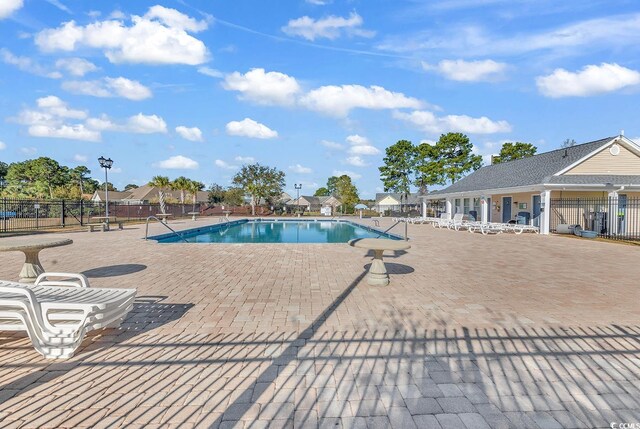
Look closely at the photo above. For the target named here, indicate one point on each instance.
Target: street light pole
(298, 186)
(106, 163)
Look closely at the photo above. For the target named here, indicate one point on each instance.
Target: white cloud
(49, 120)
(331, 145)
(270, 88)
(71, 132)
(250, 128)
(609, 33)
(319, 2)
(59, 5)
(76, 66)
(28, 150)
(8, 7)
(54, 118)
(28, 65)
(146, 124)
(224, 165)
(591, 80)
(159, 37)
(103, 123)
(194, 134)
(468, 71)
(57, 107)
(351, 174)
(178, 162)
(330, 27)
(174, 19)
(208, 71)
(357, 140)
(300, 169)
(117, 14)
(339, 100)
(430, 123)
(80, 158)
(3, 145)
(356, 161)
(139, 124)
(109, 87)
(245, 159)
(360, 145)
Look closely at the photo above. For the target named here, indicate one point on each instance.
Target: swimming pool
(276, 231)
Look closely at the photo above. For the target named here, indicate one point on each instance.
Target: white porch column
(449, 209)
(484, 213)
(545, 224)
(612, 215)
(424, 209)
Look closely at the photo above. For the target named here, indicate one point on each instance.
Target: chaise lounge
(56, 314)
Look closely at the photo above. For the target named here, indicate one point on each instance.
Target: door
(506, 209)
(536, 210)
(622, 211)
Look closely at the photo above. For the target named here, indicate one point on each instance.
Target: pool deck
(506, 331)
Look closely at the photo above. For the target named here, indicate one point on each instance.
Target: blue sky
(313, 87)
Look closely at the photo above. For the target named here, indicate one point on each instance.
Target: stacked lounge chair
(56, 314)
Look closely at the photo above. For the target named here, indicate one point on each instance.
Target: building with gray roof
(607, 168)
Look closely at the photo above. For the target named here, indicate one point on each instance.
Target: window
(466, 205)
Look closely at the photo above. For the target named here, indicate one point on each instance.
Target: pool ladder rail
(146, 231)
(406, 238)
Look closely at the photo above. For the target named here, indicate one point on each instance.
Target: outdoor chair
(456, 222)
(442, 222)
(56, 314)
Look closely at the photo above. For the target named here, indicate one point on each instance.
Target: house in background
(597, 178)
(315, 204)
(99, 196)
(396, 202)
(148, 194)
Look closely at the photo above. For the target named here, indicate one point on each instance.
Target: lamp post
(106, 163)
(298, 186)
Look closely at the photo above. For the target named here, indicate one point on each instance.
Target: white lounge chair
(486, 228)
(442, 222)
(58, 317)
(456, 221)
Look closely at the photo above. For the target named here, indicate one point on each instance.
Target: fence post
(62, 213)
(81, 212)
(4, 213)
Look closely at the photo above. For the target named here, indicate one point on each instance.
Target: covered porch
(610, 211)
(523, 206)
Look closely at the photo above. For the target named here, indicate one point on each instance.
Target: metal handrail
(146, 232)
(392, 226)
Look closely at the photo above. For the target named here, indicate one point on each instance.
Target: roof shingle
(533, 170)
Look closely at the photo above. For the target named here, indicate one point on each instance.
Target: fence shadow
(452, 375)
(147, 314)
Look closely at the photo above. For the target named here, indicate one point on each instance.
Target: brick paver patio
(473, 332)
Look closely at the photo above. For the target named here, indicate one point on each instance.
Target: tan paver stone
(508, 331)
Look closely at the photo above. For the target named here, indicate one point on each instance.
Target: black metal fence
(615, 218)
(28, 215)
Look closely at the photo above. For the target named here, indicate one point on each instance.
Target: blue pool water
(276, 231)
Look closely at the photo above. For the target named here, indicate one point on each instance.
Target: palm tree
(161, 182)
(193, 187)
(181, 184)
